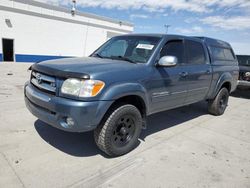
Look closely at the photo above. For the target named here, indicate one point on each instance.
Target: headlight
(82, 88)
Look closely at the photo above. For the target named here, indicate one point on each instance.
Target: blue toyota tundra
(128, 78)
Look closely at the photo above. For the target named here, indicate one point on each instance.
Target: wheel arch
(225, 80)
(226, 85)
(127, 93)
(135, 100)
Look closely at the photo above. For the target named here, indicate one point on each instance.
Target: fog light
(70, 122)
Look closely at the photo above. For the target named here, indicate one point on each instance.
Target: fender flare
(118, 91)
(226, 77)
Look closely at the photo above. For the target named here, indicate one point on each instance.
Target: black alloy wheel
(119, 131)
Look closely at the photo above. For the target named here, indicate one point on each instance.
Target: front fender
(117, 91)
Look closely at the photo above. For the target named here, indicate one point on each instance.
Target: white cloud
(141, 16)
(190, 20)
(199, 6)
(193, 30)
(144, 27)
(228, 23)
(162, 6)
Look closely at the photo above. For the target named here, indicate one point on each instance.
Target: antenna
(167, 27)
(73, 9)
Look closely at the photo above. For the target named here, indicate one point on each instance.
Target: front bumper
(54, 110)
(243, 83)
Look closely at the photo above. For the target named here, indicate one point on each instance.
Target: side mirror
(168, 61)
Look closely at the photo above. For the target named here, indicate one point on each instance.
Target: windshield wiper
(97, 55)
(123, 58)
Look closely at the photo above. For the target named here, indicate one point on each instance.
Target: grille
(43, 82)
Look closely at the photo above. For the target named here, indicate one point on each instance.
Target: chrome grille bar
(43, 82)
(44, 77)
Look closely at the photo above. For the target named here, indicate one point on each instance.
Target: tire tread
(213, 104)
(103, 132)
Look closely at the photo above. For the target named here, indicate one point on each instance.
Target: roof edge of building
(62, 9)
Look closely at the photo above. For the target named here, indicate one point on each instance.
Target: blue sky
(228, 20)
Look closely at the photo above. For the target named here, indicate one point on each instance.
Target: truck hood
(81, 67)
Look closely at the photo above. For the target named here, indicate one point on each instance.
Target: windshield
(135, 49)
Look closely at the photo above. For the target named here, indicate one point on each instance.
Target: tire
(218, 105)
(119, 132)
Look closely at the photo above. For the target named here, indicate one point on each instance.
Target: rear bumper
(54, 110)
(242, 83)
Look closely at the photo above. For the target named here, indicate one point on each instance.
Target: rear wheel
(218, 105)
(119, 132)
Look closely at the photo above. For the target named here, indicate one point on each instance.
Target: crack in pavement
(12, 168)
(104, 176)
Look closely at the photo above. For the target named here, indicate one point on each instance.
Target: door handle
(183, 74)
(208, 71)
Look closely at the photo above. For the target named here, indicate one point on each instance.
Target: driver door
(169, 83)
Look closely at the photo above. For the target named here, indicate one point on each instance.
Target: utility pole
(73, 10)
(167, 27)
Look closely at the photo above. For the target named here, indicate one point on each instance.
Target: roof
(79, 13)
(207, 40)
(147, 34)
(214, 42)
(159, 35)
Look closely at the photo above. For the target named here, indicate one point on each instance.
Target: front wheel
(119, 132)
(218, 105)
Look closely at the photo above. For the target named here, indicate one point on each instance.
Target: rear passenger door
(199, 71)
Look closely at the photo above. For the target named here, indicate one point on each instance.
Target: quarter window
(195, 52)
(222, 53)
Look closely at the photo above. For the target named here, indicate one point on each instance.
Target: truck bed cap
(214, 42)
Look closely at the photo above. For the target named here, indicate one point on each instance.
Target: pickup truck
(128, 78)
(244, 77)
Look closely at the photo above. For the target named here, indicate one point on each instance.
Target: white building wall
(40, 36)
(39, 31)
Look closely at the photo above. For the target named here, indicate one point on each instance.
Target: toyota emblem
(39, 78)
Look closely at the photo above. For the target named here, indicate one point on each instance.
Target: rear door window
(195, 52)
(218, 53)
(229, 54)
